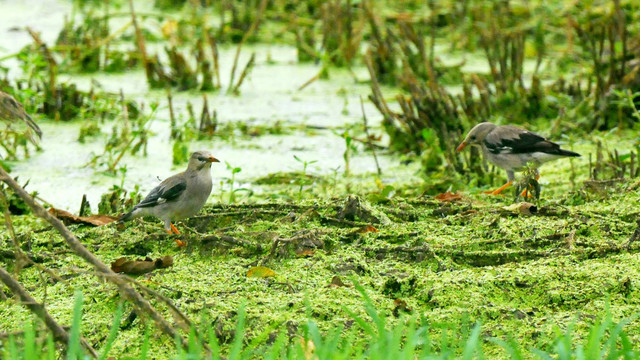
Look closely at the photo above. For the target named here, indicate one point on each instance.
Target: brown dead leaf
(69, 218)
(400, 305)
(164, 262)
(137, 267)
(336, 281)
(169, 28)
(448, 197)
(363, 230)
(260, 272)
(308, 348)
(523, 208)
(367, 229)
(304, 252)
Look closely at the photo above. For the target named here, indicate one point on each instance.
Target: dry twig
(141, 305)
(59, 334)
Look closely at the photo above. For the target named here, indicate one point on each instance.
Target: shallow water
(268, 95)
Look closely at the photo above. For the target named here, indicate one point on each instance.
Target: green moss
(521, 276)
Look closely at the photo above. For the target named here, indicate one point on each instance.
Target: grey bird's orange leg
(173, 230)
(525, 193)
(500, 189)
(179, 242)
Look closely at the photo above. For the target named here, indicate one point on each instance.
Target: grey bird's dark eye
(473, 137)
(201, 158)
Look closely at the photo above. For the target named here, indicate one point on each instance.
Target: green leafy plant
(231, 182)
(349, 149)
(180, 152)
(132, 135)
(119, 200)
(303, 180)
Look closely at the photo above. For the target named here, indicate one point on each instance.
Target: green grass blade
(74, 350)
(29, 341)
(541, 354)
(113, 333)
(213, 342)
(51, 348)
(195, 346)
(473, 343)
(275, 350)
(145, 344)
(511, 347)
(236, 348)
(11, 351)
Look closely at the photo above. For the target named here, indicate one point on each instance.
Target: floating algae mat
(520, 276)
(319, 225)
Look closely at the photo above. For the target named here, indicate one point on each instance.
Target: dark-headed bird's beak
(212, 159)
(461, 146)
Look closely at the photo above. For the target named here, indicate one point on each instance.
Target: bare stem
(59, 334)
(366, 131)
(252, 29)
(141, 305)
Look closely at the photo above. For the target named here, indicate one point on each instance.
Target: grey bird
(179, 196)
(13, 115)
(512, 148)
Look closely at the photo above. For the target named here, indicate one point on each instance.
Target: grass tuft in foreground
(410, 339)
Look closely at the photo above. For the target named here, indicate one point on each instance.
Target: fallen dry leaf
(633, 186)
(336, 281)
(304, 253)
(448, 197)
(363, 230)
(524, 208)
(169, 28)
(137, 267)
(400, 305)
(164, 262)
(260, 272)
(308, 348)
(69, 218)
(367, 229)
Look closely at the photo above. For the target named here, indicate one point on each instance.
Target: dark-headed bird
(179, 196)
(512, 148)
(13, 115)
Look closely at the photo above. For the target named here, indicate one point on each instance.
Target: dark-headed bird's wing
(167, 191)
(513, 140)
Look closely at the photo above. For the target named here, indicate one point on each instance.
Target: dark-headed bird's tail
(32, 124)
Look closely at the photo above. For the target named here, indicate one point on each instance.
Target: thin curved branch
(59, 334)
(141, 305)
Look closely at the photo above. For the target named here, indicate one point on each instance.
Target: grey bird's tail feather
(128, 216)
(568, 153)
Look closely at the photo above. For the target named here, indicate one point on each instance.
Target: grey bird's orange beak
(461, 146)
(212, 159)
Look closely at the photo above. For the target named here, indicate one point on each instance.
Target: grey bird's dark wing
(168, 190)
(513, 140)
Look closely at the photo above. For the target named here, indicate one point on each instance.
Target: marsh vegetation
(342, 224)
